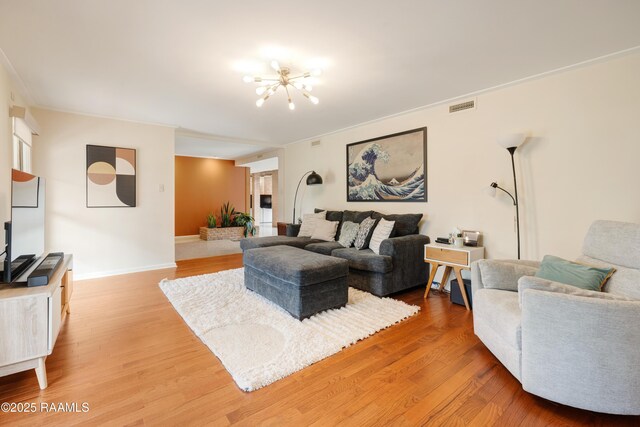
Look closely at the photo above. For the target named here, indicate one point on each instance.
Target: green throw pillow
(571, 273)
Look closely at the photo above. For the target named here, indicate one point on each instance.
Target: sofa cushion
(264, 242)
(626, 281)
(614, 242)
(324, 248)
(536, 283)
(356, 216)
(501, 311)
(405, 224)
(365, 260)
(571, 273)
(331, 215)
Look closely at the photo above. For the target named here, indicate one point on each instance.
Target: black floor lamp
(313, 179)
(511, 143)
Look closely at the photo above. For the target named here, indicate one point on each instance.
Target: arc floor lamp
(511, 142)
(312, 179)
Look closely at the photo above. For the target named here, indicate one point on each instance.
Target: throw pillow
(503, 275)
(348, 233)
(325, 230)
(383, 231)
(333, 216)
(309, 222)
(546, 285)
(366, 226)
(571, 273)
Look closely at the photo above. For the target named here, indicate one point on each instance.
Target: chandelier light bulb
(316, 72)
(267, 86)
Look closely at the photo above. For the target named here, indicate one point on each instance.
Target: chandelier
(269, 85)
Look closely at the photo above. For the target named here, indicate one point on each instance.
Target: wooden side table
(451, 258)
(282, 228)
(30, 320)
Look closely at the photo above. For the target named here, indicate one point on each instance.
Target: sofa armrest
(581, 351)
(407, 256)
(500, 274)
(292, 230)
(410, 247)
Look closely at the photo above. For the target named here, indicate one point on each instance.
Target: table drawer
(447, 255)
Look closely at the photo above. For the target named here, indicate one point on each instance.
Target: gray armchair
(575, 347)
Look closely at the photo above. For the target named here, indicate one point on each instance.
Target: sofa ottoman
(301, 282)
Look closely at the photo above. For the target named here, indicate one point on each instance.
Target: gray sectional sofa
(399, 265)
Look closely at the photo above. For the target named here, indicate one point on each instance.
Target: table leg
(41, 373)
(432, 275)
(445, 277)
(458, 272)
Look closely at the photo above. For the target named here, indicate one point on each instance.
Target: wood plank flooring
(128, 354)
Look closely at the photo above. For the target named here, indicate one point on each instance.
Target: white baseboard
(100, 274)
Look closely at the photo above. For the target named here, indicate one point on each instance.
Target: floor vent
(462, 106)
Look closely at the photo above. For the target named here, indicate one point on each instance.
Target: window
(21, 145)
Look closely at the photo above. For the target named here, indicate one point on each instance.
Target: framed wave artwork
(391, 168)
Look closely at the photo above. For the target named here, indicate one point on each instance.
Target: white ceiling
(200, 145)
(265, 165)
(181, 62)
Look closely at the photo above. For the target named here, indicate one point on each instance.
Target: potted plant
(245, 220)
(232, 225)
(211, 220)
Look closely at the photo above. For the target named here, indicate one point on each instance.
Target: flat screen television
(24, 234)
(265, 201)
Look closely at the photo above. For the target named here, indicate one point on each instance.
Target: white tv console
(30, 319)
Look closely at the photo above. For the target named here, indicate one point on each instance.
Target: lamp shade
(491, 189)
(511, 140)
(314, 179)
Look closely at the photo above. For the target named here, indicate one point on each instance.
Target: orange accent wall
(202, 186)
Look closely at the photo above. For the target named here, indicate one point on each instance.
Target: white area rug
(257, 341)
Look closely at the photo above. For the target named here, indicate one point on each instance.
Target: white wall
(106, 241)
(581, 164)
(279, 154)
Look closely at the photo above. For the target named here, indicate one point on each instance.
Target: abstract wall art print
(111, 177)
(391, 168)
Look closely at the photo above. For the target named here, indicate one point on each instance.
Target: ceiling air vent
(315, 143)
(468, 105)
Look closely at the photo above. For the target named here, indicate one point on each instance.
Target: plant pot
(221, 233)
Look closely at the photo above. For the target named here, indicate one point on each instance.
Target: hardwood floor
(129, 355)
